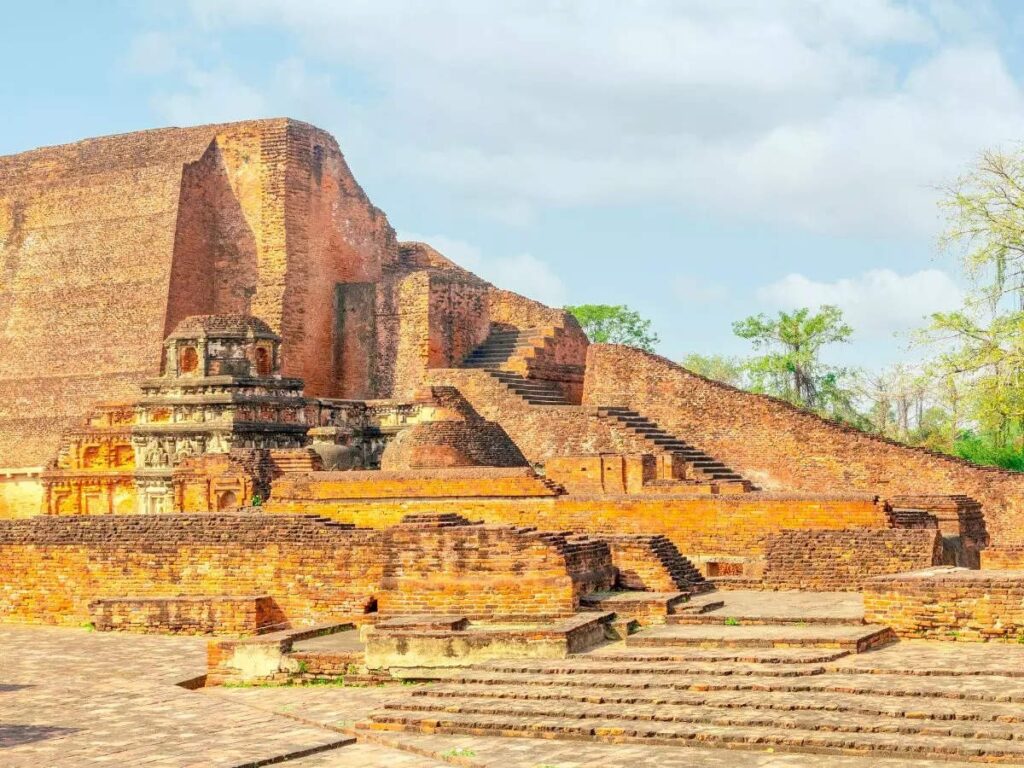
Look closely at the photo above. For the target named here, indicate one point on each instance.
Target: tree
(730, 370)
(985, 221)
(987, 357)
(790, 366)
(615, 324)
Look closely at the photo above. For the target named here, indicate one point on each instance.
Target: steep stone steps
(698, 464)
(534, 391)
(859, 638)
(780, 733)
(897, 706)
(502, 345)
(682, 572)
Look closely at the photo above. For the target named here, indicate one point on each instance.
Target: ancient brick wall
(105, 244)
(459, 483)
(949, 604)
(602, 473)
(1009, 557)
(779, 446)
(20, 495)
(702, 527)
(459, 319)
(843, 560)
(52, 568)
(230, 615)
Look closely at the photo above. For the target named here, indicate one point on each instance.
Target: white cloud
(786, 111)
(878, 303)
(522, 273)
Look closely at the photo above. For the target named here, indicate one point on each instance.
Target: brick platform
(200, 615)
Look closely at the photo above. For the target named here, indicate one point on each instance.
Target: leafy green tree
(987, 357)
(985, 223)
(730, 370)
(790, 366)
(615, 324)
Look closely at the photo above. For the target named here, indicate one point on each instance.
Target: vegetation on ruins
(615, 324)
(730, 370)
(968, 398)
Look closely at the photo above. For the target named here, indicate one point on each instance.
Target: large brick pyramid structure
(195, 319)
(232, 404)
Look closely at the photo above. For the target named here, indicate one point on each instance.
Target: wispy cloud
(877, 303)
(790, 112)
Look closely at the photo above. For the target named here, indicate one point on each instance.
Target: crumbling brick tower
(107, 244)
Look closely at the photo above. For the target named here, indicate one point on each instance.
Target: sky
(697, 160)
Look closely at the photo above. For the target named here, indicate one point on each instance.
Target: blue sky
(699, 161)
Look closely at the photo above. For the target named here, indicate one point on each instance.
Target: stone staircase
(297, 460)
(501, 346)
(696, 465)
(763, 672)
(797, 701)
(498, 354)
(682, 573)
(503, 357)
(533, 391)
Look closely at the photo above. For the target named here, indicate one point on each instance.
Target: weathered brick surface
(949, 604)
(1009, 557)
(614, 473)
(204, 615)
(105, 244)
(698, 525)
(842, 560)
(779, 446)
(52, 568)
(540, 432)
(292, 491)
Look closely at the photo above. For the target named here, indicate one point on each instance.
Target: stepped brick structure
(221, 371)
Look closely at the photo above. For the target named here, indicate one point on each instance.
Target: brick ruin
(216, 352)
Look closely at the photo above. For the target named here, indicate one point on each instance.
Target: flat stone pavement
(69, 697)
(759, 605)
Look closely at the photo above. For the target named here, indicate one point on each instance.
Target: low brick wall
(467, 482)
(843, 560)
(51, 568)
(949, 604)
(699, 525)
(200, 615)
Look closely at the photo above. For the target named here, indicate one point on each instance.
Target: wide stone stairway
(776, 671)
